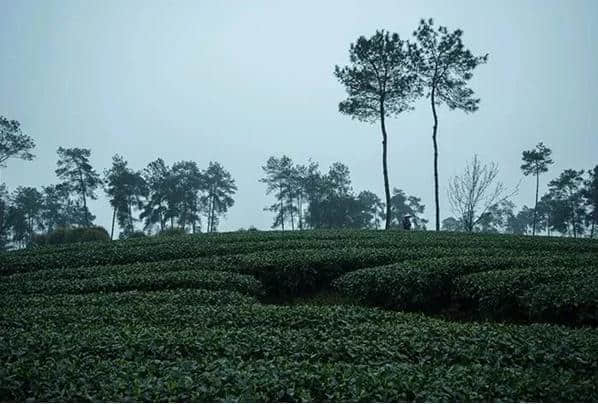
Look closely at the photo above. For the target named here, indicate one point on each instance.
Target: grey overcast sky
(238, 81)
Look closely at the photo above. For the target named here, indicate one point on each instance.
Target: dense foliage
(181, 318)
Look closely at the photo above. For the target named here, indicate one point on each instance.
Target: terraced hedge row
(211, 280)
(288, 273)
(563, 294)
(168, 248)
(471, 240)
(180, 296)
(146, 349)
(427, 284)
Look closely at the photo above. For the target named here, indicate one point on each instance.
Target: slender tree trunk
(83, 192)
(212, 216)
(300, 212)
(292, 215)
(574, 223)
(592, 228)
(210, 209)
(113, 219)
(131, 215)
(434, 141)
(384, 165)
(536, 204)
(281, 208)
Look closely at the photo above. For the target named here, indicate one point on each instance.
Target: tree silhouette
(536, 161)
(473, 193)
(445, 67)
(566, 194)
(380, 82)
(78, 175)
(186, 183)
(590, 194)
(13, 143)
(219, 187)
(155, 210)
(55, 207)
(5, 217)
(373, 209)
(278, 177)
(126, 189)
(27, 204)
(402, 205)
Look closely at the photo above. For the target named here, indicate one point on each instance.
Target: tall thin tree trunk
(210, 208)
(384, 165)
(281, 208)
(574, 223)
(212, 216)
(83, 192)
(300, 212)
(113, 219)
(536, 204)
(434, 141)
(131, 215)
(292, 215)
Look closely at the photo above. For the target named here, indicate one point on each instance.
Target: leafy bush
(429, 284)
(570, 301)
(211, 280)
(172, 232)
(509, 294)
(179, 319)
(133, 235)
(149, 350)
(69, 236)
(150, 249)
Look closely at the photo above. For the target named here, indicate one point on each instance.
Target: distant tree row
(161, 197)
(306, 198)
(481, 202)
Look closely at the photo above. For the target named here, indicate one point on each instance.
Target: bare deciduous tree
(473, 193)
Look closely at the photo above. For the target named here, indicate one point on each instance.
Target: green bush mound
(168, 248)
(429, 284)
(532, 293)
(137, 351)
(292, 273)
(180, 319)
(178, 297)
(213, 280)
(70, 236)
(571, 301)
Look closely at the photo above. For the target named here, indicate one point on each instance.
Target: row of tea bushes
(292, 272)
(145, 349)
(562, 294)
(433, 284)
(211, 280)
(168, 248)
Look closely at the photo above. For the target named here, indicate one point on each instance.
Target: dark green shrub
(135, 234)
(76, 235)
(430, 284)
(562, 294)
(172, 232)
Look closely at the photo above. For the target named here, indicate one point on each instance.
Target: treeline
(160, 197)
(306, 198)
(481, 203)
(569, 208)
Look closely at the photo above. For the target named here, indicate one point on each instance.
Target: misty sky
(238, 81)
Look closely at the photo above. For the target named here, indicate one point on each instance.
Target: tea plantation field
(295, 316)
